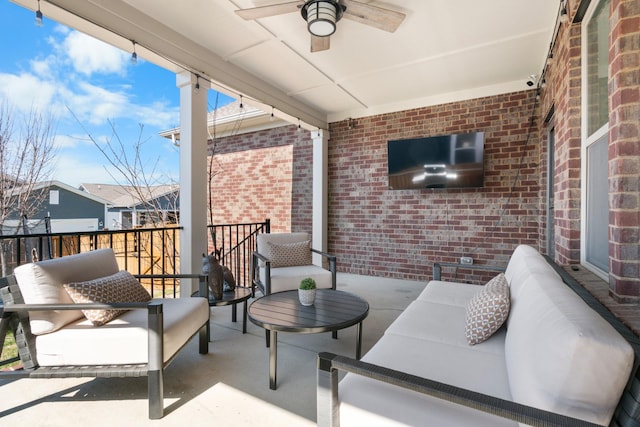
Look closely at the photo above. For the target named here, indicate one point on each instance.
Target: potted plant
(307, 291)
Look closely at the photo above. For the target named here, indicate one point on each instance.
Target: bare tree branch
(27, 154)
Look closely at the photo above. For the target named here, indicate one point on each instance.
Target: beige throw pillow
(487, 310)
(289, 254)
(119, 287)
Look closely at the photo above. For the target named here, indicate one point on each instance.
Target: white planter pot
(307, 296)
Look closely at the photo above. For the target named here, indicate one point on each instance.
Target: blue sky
(65, 73)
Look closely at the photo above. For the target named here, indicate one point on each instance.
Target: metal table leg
(359, 340)
(273, 359)
(244, 318)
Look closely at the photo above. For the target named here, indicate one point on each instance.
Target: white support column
(320, 192)
(193, 178)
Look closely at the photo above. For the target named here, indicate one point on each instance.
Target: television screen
(448, 161)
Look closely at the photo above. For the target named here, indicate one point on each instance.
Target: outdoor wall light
(321, 16)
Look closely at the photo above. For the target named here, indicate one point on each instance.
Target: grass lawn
(9, 350)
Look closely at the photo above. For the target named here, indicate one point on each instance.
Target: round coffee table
(282, 312)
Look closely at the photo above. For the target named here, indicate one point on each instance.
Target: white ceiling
(445, 50)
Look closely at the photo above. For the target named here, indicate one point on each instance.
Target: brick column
(564, 91)
(624, 149)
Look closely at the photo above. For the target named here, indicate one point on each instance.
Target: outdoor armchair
(58, 337)
(282, 260)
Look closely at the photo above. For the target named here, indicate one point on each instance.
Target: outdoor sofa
(55, 306)
(559, 359)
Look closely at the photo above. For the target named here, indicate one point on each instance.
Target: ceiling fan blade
(319, 44)
(271, 10)
(374, 16)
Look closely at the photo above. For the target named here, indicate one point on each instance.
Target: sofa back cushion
(561, 355)
(42, 283)
(525, 261)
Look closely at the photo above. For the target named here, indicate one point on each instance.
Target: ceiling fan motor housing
(321, 16)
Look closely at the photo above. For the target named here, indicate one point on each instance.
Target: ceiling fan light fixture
(321, 16)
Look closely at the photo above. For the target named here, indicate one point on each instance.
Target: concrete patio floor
(227, 387)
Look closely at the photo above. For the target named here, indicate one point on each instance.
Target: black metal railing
(141, 251)
(236, 243)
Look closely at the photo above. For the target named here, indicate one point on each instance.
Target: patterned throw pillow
(487, 310)
(289, 254)
(119, 287)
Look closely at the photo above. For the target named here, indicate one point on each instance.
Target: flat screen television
(447, 161)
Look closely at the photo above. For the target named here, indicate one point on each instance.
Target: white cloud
(62, 82)
(71, 141)
(96, 105)
(157, 114)
(74, 171)
(42, 67)
(89, 55)
(26, 92)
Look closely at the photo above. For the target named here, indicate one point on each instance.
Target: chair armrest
(171, 276)
(15, 308)
(327, 396)
(265, 288)
(332, 265)
(324, 254)
(437, 268)
(257, 255)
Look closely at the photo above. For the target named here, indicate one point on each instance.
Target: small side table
(239, 295)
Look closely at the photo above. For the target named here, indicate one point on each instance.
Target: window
(595, 127)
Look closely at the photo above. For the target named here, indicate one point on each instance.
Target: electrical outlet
(466, 260)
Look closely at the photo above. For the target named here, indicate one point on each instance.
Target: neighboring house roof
(46, 184)
(128, 195)
(230, 120)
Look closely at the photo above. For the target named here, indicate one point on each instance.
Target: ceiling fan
(321, 16)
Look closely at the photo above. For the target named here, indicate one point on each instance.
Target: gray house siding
(72, 206)
(69, 211)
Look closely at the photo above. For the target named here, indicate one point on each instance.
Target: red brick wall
(264, 175)
(563, 94)
(400, 233)
(624, 148)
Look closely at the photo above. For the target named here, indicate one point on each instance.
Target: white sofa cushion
(124, 339)
(562, 356)
(371, 403)
(441, 323)
(524, 261)
(119, 287)
(42, 283)
(450, 293)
